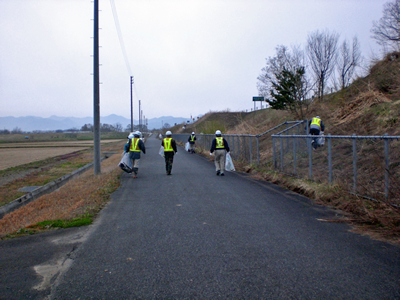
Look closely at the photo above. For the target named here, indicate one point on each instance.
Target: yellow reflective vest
(316, 121)
(135, 145)
(168, 145)
(219, 143)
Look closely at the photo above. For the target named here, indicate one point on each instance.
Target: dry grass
(12, 157)
(85, 195)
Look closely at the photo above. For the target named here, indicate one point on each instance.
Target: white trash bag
(161, 151)
(125, 163)
(187, 146)
(320, 140)
(229, 163)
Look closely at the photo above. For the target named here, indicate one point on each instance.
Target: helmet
(168, 133)
(193, 132)
(130, 136)
(218, 132)
(318, 117)
(136, 133)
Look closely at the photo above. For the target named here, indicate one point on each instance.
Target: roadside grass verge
(76, 203)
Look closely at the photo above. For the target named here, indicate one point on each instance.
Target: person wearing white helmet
(316, 127)
(220, 146)
(170, 149)
(192, 142)
(135, 146)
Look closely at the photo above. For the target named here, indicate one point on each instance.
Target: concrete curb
(46, 189)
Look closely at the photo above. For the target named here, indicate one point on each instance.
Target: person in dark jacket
(170, 149)
(316, 127)
(192, 142)
(221, 147)
(135, 146)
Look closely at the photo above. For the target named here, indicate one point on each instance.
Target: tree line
(294, 76)
(85, 128)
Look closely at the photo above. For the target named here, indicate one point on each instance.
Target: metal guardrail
(351, 154)
(342, 159)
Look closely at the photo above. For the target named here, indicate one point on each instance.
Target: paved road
(195, 235)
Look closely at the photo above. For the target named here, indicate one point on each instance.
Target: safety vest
(192, 138)
(168, 145)
(316, 121)
(135, 145)
(220, 143)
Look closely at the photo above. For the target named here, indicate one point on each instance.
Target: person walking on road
(192, 142)
(170, 149)
(135, 146)
(316, 127)
(220, 146)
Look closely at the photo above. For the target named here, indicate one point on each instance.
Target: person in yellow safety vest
(170, 149)
(192, 141)
(316, 127)
(220, 146)
(135, 146)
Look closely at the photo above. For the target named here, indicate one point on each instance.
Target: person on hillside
(170, 149)
(192, 142)
(221, 147)
(316, 126)
(135, 146)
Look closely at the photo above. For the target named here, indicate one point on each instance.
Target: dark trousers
(314, 131)
(169, 159)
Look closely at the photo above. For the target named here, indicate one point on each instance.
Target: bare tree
(347, 62)
(285, 58)
(322, 52)
(387, 31)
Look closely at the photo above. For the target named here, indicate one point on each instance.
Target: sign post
(255, 99)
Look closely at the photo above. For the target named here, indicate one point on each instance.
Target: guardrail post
(294, 156)
(354, 163)
(309, 157)
(250, 148)
(386, 141)
(280, 140)
(258, 150)
(273, 152)
(330, 157)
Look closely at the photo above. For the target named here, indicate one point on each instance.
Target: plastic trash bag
(161, 151)
(229, 163)
(125, 164)
(187, 146)
(320, 140)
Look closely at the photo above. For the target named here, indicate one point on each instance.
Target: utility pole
(131, 105)
(139, 115)
(96, 92)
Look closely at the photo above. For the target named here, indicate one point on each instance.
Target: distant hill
(32, 123)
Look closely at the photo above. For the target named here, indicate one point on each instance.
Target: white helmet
(130, 136)
(136, 133)
(193, 132)
(218, 132)
(168, 133)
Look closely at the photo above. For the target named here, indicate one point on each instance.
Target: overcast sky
(188, 57)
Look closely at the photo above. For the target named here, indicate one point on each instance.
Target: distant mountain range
(31, 123)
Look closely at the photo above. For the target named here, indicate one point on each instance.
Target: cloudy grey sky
(188, 57)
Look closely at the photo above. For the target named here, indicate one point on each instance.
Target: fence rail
(344, 159)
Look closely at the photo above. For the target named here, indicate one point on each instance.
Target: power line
(121, 40)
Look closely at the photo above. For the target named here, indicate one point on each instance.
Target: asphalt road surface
(195, 235)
